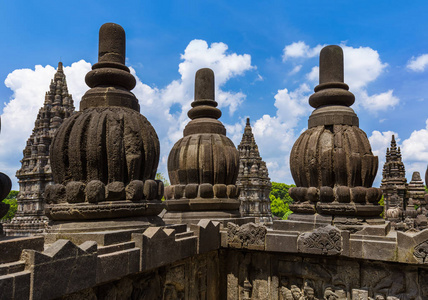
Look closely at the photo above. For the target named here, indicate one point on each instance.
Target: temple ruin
(35, 173)
(107, 237)
(253, 180)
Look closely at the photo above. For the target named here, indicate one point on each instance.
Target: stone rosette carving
(250, 236)
(420, 252)
(325, 240)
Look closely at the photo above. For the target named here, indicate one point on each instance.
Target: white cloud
(378, 102)
(418, 64)
(295, 70)
(415, 148)
(300, 50)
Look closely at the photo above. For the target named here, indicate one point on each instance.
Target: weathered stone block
(95, 191)
(11, 249)
(191, 191)
(134, 190)
(160, 189)
(281, 242)
(117, 265)
(220, 190)
(179, 191)
(150, 189)
(55, 193)
(77, 269)
(115, 191)
(208, 233)
(206, 190)
(231, 191)
(169, 192)
(75, 192)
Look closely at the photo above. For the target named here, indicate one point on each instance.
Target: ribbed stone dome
(188, 163)
(107, 144)
(333, 156)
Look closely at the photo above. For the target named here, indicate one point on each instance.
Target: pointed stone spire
(253, 180)
(332, 162)
(394, 183)
(107, 151)
(203, 165)
(35, 173)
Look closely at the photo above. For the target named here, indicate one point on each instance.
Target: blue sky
(264, 54)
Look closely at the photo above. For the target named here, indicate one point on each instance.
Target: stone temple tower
(253, 180)
(331, 162)
(394, 182)
(35, 173)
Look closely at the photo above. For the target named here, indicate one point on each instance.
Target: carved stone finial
(332, 162)
(107, 151)
(203, 179)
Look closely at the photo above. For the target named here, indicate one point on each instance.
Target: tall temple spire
(394, 183)
(35, 173)
(253, 180)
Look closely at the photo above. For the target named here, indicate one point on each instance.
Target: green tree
(280, 199)
(159, 176)
(11, 200)
(382, 203)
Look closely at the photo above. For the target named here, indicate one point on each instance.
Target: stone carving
(250, 235)
(325, 240)
(104, 157)
(332, 163)
(394, 182)
(421, 252)
(203, 165)
(253, 180)
(35, 173)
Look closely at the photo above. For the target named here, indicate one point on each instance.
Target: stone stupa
(203, 165)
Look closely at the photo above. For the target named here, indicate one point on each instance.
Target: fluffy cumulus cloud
(300, 50)
(418, 64)
(415, 151)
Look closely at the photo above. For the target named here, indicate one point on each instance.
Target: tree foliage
(160, 176)
(11, 200)
(280, 199)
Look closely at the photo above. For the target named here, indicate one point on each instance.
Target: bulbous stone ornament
(332, 163)
(203, 165)
(104, 158)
